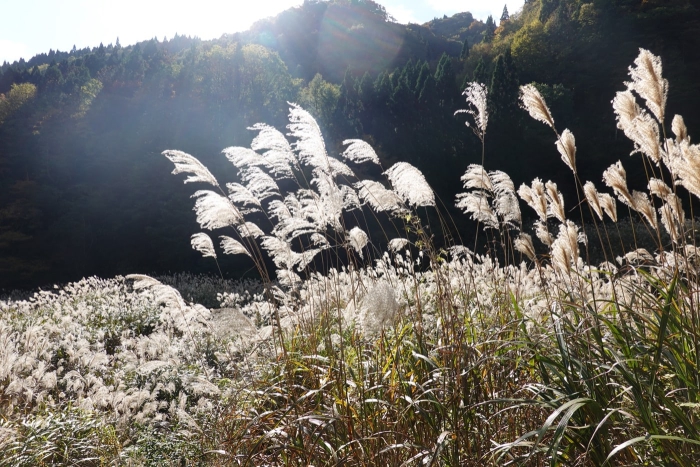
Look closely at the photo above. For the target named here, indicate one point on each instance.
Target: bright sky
(35, 26)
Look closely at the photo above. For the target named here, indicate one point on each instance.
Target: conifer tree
(505, 16)
(445, 80)
(490, 31)
(480, 72)
(465, 50)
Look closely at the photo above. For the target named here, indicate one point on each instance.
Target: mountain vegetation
(81, 181)
(557, 325)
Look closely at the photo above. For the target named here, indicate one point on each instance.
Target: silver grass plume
(685, 166)
(505, 201)
(524, 245)
(249, 229)
(565, 250)
(477, 204)
(679, 129)
(215, 211)
(277, 150)
(556, 202)
(476, 177)
(532, 101)
(410, 184)
(232, 246)
(292, 227)
(279, 209)
(626, 109)
(535, 197)
(615, 177)
(648, 82)
(477, 98)
(327, 209)
(351, 200)
(359, 151)
(672, 214)
(542, 232)
(185, 163)
(260, 183)
(673, 217)
(608, 204)
(658, 188)
(460, 251)
(202, 243)
(243, 158)
(358, 239)
(593, 199)
(242, 196)
(644, 207)
(645, 134)
(397, 244)
(566, 145)
(379, 197)
(310, 145)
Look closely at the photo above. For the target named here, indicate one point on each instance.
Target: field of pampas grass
(574, 342)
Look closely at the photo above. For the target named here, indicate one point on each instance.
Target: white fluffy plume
(232, 246)
(477, 98)
(648, 82)
(215, 211)
(410, 184)
(532, 101)
(359, 151)
(202, 242)
(377, 196)
(358, 239)
(184, 163)
(277, 151)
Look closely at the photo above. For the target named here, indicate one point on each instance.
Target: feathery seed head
(542, 232)
(185, 163)
(616, 178)
(525, 246)
(593, 199)
(358, 239)
(377, 196)
(359, 151)
(532, 101)
(607, 202)
(410, 184)
(202, 242)
(215, 211)
(477, 204)
(642, 205)
(397, 244)
(679, 129)
(648, 82)
(566, 145)
(556, 202)
(477, 99)
(476, 177)
(232, 246)
(535, 197)
(658, 188)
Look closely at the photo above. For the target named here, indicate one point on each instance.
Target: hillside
(84, 189)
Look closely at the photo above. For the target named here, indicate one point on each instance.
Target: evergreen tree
(422, 76)
(505, 16)
(465, 50)
(480, 72)
(490, 31)
(504, 88)
(445, 80)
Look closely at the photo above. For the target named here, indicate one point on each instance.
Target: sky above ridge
(31, 27)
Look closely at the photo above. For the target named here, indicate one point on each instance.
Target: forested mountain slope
(84, 189)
